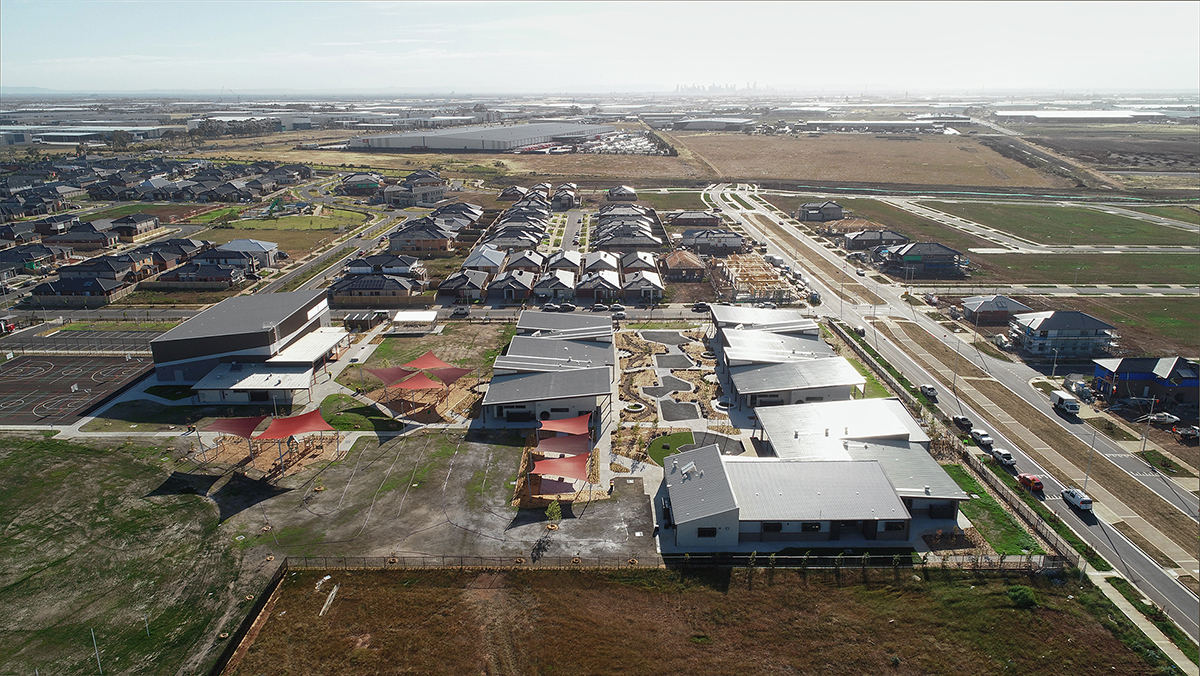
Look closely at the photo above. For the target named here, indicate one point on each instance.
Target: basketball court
(57, 390)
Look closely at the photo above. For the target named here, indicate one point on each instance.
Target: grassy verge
(299, 280)
(1165, 464)
(1110, 429)
(668, 444)
(1158, 617)
(119, 326)
(349, 414)
(874, 389)
(996, 525)
(1085, 550)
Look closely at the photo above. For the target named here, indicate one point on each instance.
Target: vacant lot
(672, 201)
(861, 158)
(915, 227)
(594, 622)
(1156, 326)
(1185, 214)
(1127, 268)
(96, 538)
(1066, 225)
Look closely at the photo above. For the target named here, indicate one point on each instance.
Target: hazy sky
(578, 47)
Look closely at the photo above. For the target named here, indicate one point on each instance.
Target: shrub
(1022, 596)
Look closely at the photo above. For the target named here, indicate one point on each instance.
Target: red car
(1030, 481)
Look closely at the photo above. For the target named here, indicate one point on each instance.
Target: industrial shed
(484, 139)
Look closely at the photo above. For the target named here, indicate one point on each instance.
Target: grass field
(1125, 268)
(215, 214)
(860, 158)
(297, 243)
(874, 388)
(92, 544)
(330, 219)
(672, 201)
(702, 623)
(165, 212)
(668, 444)
(1185, 214)
(176, 297)
(1065, 225)
(917, 228)
(995, 524)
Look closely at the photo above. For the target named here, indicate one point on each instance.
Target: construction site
(750, 278)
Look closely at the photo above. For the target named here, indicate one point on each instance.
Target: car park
(962, 422)
(981, 437)
(1077, 499)
(550, 307)
(1030, 481)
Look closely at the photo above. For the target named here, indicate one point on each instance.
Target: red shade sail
(572, 467)
(392, 374)
(450, 374)
(282, 428)
(572, 445)
(419, 382)
(578, 425)
(426, 361)
(238, 427)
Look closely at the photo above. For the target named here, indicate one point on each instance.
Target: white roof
(415, 317)
(778, 321)
(311, 347)
(815, 431)
(256, 377)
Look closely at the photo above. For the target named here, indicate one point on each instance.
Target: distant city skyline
(836, 49)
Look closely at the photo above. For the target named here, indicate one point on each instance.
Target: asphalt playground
(57, 390)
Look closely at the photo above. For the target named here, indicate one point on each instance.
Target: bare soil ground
(680, 292)
(581, 622)
(631, 392)
(939, 350)
(860, 158)
(297, 243)
(167, 213)
(641, 350)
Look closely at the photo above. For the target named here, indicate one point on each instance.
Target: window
(810, 527)
(772, 527)
(893, 526)
(560, 410)
(706, 532)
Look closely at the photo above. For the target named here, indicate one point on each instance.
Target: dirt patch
(464, 344)
(941, 351)
(705, 622)
(958, 543)
(694, 292)
(703, 393)
(641, 351)
(631, 392)
(1158, 512)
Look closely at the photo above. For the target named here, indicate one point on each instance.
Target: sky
(603, 48)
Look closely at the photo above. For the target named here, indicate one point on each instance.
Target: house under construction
(748, 277)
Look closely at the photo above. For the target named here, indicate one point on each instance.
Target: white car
(1077, 499)
(1162, 418)
(981, 438)
(1003, 457)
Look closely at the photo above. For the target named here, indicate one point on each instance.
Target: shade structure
(282, 428)
(418, 382)
(238, 427)
(572, 445)
(450, 374)
(391, 374)
(573, 467)
(425, 362)
(577, 425)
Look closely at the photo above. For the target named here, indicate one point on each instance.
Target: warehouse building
(484, 139)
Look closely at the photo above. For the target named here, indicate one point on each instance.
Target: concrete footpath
(1152, 632)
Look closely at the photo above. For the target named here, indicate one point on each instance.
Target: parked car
(982, 438)
(929, 391)
(1030, 481)
(550, 307)
(1162, 418)
(1003, 457)
(1186, 432)
(1077, 499)
(616, 307)
(619, 315)
(460, 311)
(700, 307)
(566, 307)
(599, 307)
(962, 422)
(860, 272)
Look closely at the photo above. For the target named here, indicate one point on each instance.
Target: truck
(1064, 402)
(777, 261)
(1003, 457)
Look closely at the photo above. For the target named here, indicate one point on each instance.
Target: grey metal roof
(778, 321)
(792, 490)
(908, 467)
(242, 314)
(796, 375)
(572, 351)
(700, 492)
(994, 304)
(1060, 320)
(815, 431)
(766, 347)
(536, 320)
(527, 387)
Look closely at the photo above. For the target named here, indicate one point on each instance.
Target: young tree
(554, 512)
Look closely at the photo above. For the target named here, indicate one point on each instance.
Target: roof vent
(690, 467)
(927, 490)
(826, 431)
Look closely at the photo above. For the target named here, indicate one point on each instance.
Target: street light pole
(1054, 371)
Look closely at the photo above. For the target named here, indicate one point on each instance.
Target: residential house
(694, 219)
(1169, 380)
(266, 253)
(469, 284)
(512, 193)
(869, 239)
(925, 259)
(820, 212)
(79, 292)
(714, 242)
(595, 261)
(643, 286)
(565, 259)
(555, 285)
(683, 266)
(372, 290)
(527, 260)
(1066, 333)
(622, 193)
(421, 235)
(486, 258)
(600, 285)
(632, 261)
(986, 310)
(513, 285)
